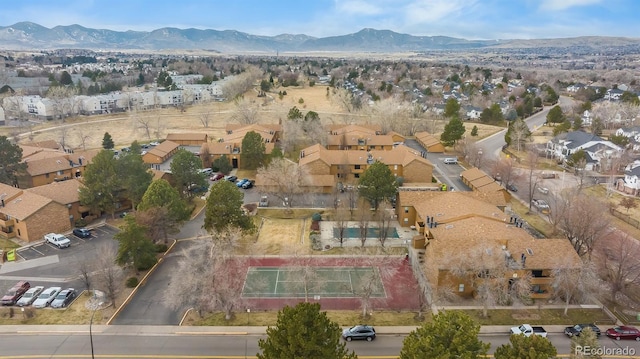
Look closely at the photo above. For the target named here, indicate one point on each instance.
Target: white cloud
(554, 5)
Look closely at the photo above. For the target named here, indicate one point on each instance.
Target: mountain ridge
(28, 36)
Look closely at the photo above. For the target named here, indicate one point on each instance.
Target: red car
(623, 332)
(217, 177)
(15, 293)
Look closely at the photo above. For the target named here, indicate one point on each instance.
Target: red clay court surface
(400, 286)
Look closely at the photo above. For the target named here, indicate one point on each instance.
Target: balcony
(541, 280)
(6, 222)
(6, 235)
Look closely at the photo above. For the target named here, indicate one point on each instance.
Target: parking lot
(46, 265)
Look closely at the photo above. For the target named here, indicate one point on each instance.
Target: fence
(625, 217)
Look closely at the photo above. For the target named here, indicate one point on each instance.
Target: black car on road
(578, 328)
(359, 332)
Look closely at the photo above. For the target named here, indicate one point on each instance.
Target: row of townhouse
(458, 228)
(47, 109)
(45, 165)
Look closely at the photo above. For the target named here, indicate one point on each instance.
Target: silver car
(46, 297)
(29, 296)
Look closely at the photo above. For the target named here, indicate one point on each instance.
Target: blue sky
(470, 19)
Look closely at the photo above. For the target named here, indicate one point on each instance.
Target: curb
(142, 282)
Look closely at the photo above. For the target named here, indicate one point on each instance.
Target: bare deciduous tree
(519, 133)
(363, 223)
(158, 222)
(246, 111)
(584, 223)
(620, 262)
(371, 282)
(285, 180)
(533, 179)
(385, 215)
(341, 219)
(573, 282)
(85, 268)
(83, 137)
(109, 277)
(144, 123)
(205, 118)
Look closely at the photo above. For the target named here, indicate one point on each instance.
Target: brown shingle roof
(64, 192)
(445, 206)
(163, 149)
(52, 144)
(7, 192)
(426, 138)
(36, 153)
(400, 155)
(48, 165)
(24, 205)
(472, 174)
(267, 131)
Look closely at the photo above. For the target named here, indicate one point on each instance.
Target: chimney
(523, 259)
(428, 219)
(2, 202)
(435, 224)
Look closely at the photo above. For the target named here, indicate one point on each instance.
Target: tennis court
(316, 282)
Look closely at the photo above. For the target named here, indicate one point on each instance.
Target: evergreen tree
(185, 168)
(305, 332)
(161, 194)
(377, 183)
(474, 131)
(101, 186)
(134, 247)
(452, 108)
(252, 151)
(222, 165)
(450, 334)
(134, 174)
(453, 132)
(11, 164)
(522, 347)
(586, 339)
(107, 141)
(555, 115)
(224, 209)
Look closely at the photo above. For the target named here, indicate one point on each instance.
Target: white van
(450, 161)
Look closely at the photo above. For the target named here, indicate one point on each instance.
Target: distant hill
(29, 36)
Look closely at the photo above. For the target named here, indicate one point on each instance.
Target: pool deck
(405, 234)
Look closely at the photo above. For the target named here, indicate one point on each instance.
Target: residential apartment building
(361, 138)
(347, 165)
(460, 228)
(67, 193)
(46, 165)
(28, 216)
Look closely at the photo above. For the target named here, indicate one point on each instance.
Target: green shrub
(132, 282)
(81, 222)
(161, 248)
(316, 217)
(146, 263)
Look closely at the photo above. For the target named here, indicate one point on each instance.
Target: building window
(357, 167)
(46, 175)
(406, 209)
(395, 167)
(60, 173)
(356, 175)
(406, 220)
(460, 288)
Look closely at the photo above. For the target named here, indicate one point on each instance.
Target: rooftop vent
(530, 251)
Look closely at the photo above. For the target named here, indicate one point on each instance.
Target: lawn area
(282, 213)
(269, 318)
(250, 174)
(540, 317)
(7, 245)
(532, 218)
(282, 236)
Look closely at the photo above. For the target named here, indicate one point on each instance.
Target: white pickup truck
(58, 240)
(527, 330)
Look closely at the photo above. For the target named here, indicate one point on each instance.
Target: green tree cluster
(451, 334)
(531, 347)
(377, 184)
(222, 165)
(492, 115)
(11, 165)
(253, 151)
(453, 132)
(185, 168)
(305, 332)
(134, 247)
(224, 209)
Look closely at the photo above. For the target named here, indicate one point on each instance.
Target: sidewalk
(189, 330)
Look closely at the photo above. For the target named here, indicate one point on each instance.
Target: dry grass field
(283, 236)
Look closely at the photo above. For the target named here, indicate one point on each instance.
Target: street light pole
(91, 333)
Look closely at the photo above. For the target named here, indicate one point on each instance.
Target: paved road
(448, 174)
(492, 145)
(188, 342)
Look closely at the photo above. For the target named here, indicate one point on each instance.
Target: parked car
(144, 146)
(450, 161)
(29, 296)
(528, 330)
(231, 178)
(264, 201)
(541, 205)
(242, 182)
(547, 175)
(623, 332)
(154, 143)
(64, 298)
(247, 184)
(217, 177)
(578, 328)
(543, 190)
(82, 232)
(207, 171)
(15, 292)
(57, 240)
(46, 297)
(511, 187)
(359, 332)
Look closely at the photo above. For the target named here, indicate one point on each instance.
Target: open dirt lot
(282, 236)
